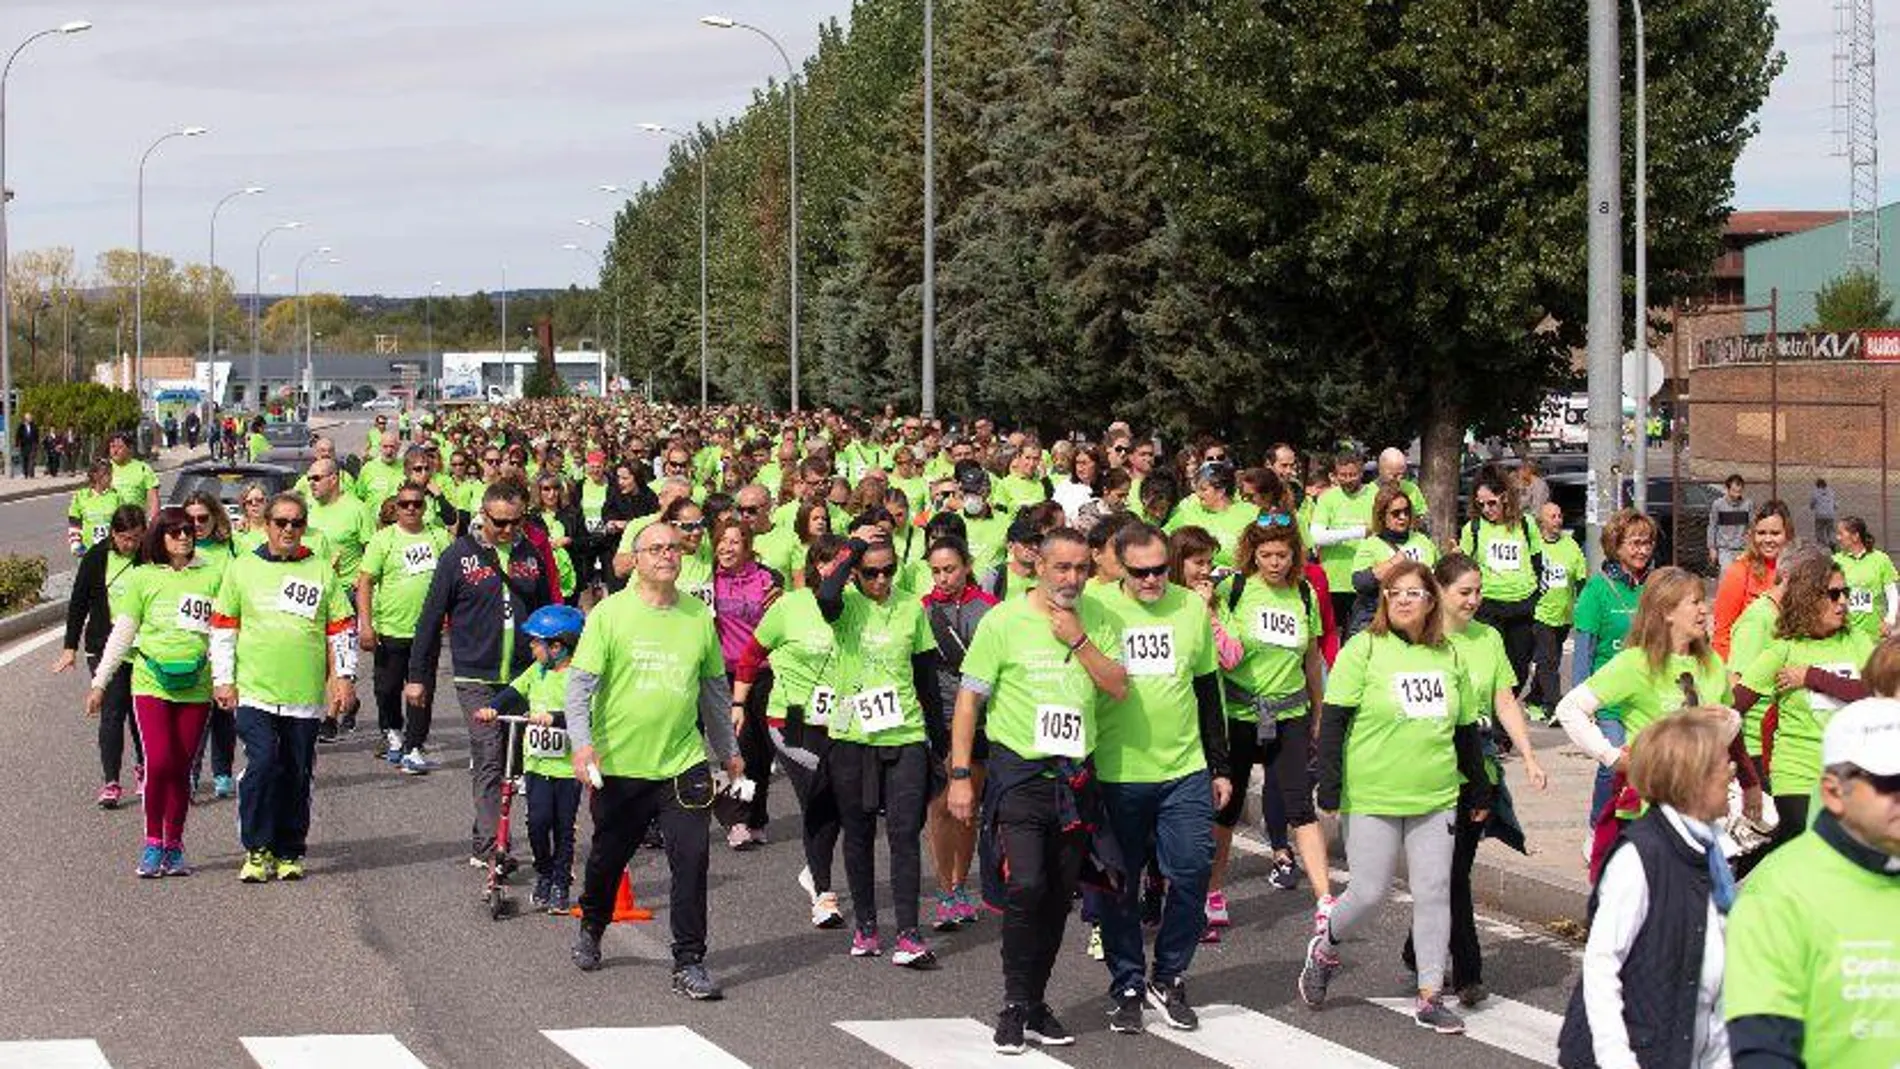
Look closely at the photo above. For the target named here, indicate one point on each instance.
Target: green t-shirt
(1226, 526)
(1812, 939)
(1014, 492)
(696, 575)
(563, 561)
(988, 539)
(133, 481)
(1487, 668)
(1753, 630)
(284, 612)
(803, 655)
(875, 644)
(1399, 758)
(257, 446)
(1336, 509)
(119, 569)
(1564, 572)
(172, 608)
(1153, 734)
(347, 526)
(593, 502)
(378, 480)
(1867, 577)
(651, 661)
(545, 751)
(91, 513)
(1275, 626)
(400, 566)
(1504, 558)
(1803, 714)
(1042, 702)
(1645, 696)
(1605, 610)
(1370, 552)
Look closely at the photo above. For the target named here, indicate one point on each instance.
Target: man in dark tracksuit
(486, 585)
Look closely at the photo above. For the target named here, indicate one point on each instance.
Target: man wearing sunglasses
(486, 585)
(1813, 968)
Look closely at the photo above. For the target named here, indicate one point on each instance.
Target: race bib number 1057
(1060, 731)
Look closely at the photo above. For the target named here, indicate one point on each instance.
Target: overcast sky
(449, 140)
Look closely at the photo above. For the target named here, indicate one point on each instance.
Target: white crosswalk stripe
(1237, 1036)
(53, 1054)
(675, 1046)
(328, 1052)
(1523, 1030)
(941, 1043)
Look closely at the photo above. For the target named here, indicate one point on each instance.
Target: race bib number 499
(1148, 651)
(1060, 731)
(299, 597)
(194, 613)
(1420, 695)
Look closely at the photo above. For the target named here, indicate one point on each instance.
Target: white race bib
(100, 532)
(1556, 575)
(704, 592)
(1821, 703)
(596, 524)
(544, 740)
(299, 597)
(878, 710)
(818, 709)
(194, 613)
(1859, 600)
(1421, 695)
(1278, 627)
(1060, 731)
(1504, 556)
(1415, 554)
(417, 558)
(1148, 651)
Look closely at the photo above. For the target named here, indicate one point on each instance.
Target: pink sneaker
(864, 943)
(1323, 913)
(1210, 935)
(110, 796)
(1217, 910)
(912, 952)
(967, 913)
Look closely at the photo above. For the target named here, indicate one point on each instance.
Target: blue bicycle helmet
(556, 623)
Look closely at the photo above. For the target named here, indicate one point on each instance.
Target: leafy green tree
(1854, 301)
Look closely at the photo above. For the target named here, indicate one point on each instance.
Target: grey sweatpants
(1372, 854)
(486, 742)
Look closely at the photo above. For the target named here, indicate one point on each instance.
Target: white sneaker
(805, 881)
(825, 913)
(392, 741)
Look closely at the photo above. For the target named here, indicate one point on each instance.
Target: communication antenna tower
(1856, 133)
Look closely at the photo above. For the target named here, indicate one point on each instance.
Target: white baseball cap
(1865, 734)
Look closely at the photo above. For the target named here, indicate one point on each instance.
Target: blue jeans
(1614, 731)
(1176, 820)
(280, 753)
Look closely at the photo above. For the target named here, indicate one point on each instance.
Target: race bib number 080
(1060, 731)
(1420, 695)
(1504, 556)
(544, 740)
(1148, 651)
(299, 597)
(194, 613)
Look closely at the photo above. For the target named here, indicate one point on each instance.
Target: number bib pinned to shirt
(878, 710)
(1148, 651)
(1415, 554)
(417, 558)
(544, 740)
(194, 613)
(1556, 575)
(299, 597)
(1824, 704)
(1421, 695)
(705, 593)
(1060, 731)
(1860, 600)
(1504, 556)
(1278, 627)
(100, 532)
(818, 709)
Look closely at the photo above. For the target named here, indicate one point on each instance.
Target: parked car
(1692, 552)
(335, 403)
(228, 480)
(290, 443)
(385, 403)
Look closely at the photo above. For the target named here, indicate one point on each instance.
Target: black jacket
(88, 615)
(470, 593)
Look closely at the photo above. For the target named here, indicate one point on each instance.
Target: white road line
(1239, 1037)
(53, 1054)
(628, 1048)
(22, 648)
(941, 1043)
(328, 1052)
(1523, 1030)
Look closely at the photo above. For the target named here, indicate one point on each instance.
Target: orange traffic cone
(626, 910)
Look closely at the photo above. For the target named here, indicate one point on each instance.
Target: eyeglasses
(1407, 595)
(869, 572)
(675, 465)
(1274, 519)
(1403, 511)
(408, 502)
(664, 549)
(749, 510)
(200, 518)
(495, 459)
(690, 526)
(1836, 593)
(500, 522)
(179, 531)
(253, 502)
(1214, 458)
(1155, 572)
(1490, 502)
(419, 467)
(289, 523)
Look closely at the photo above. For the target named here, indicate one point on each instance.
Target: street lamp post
(700, 149)
(428, 317)
(303, 309)
(211, 289)
(138, 294)
(620, 353)
(1639, 389)
(601, 266)
(720, 22)
(256, 394)
(928, 390)
(6, 301)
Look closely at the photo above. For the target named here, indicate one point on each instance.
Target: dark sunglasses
(1836, 593)
(1274, 519)
(408, 503)
(179, 529)
(1155, 572)
(1398, 512)
(869, 572)
(285, 523)
(495, 521)
(419, 467)
(690, 526)
(749, 510)
(200, 518)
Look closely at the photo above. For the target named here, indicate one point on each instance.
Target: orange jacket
(1740, 585)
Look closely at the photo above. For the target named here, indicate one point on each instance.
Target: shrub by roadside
(21, 580)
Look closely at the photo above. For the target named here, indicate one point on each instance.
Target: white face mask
(975, 506)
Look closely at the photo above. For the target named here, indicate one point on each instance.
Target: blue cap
(550, 622)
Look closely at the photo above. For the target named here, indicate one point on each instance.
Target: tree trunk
(1441, 452)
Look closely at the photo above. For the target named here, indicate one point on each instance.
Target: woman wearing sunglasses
(163, 626)
(391, 584)
(210, 527)
(1394, 540)
(1400, 760)
(696, 561)
(100, 585)
(1509, 552)
(1810, 669)
(550, 508)
(250, 530)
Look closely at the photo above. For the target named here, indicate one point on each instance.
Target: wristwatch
(960, 773)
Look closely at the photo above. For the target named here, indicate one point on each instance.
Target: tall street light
(601, 266)
(720, 22)
(309, 372)
(1639, 389)
(700, 151)
(619, 352)
(6, 302)
(256, 395)
(138, 296)
(928, 392)
(428, 317)
(211, 317)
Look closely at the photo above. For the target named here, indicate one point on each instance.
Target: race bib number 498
(299, 597)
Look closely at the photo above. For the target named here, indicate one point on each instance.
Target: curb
(67, 486)
(37, 618)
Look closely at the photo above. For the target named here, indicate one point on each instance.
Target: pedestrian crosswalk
(1229, 1035)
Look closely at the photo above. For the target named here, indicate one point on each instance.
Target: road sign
(1656, 373)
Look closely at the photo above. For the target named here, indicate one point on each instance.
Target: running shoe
(1321, 963)
(538, 898)
(290, 868)
(911, 952)
(586, 950)
(1431, 1012)
(1470, 996)
(864, 943)
(174, 862)
(259, 866)
(1171, 1000)
(1095, 942)
(1323, 913)
(151, 862)
(392, 746)
(805, 881)
(824, 912)
(349, 722)
(1043, 1029)
(694, 982)
(949, 912)
(110, 796)
(1010, 1025)
(1284, 875)
(739, 837)
(223, 786)
(1126, 1016)
(1217, 909)
(967, 913)
(415, 764)
(757, 836)
(558, 903)
(326, 731)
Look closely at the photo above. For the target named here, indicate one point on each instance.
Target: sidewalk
(18, 488)
(1550, 883)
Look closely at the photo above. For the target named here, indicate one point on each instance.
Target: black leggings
(393, 711)
(1284, 757)
(898, 779)
(755, 747)
(116, 720)
(816, 800)
(1513, 621)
